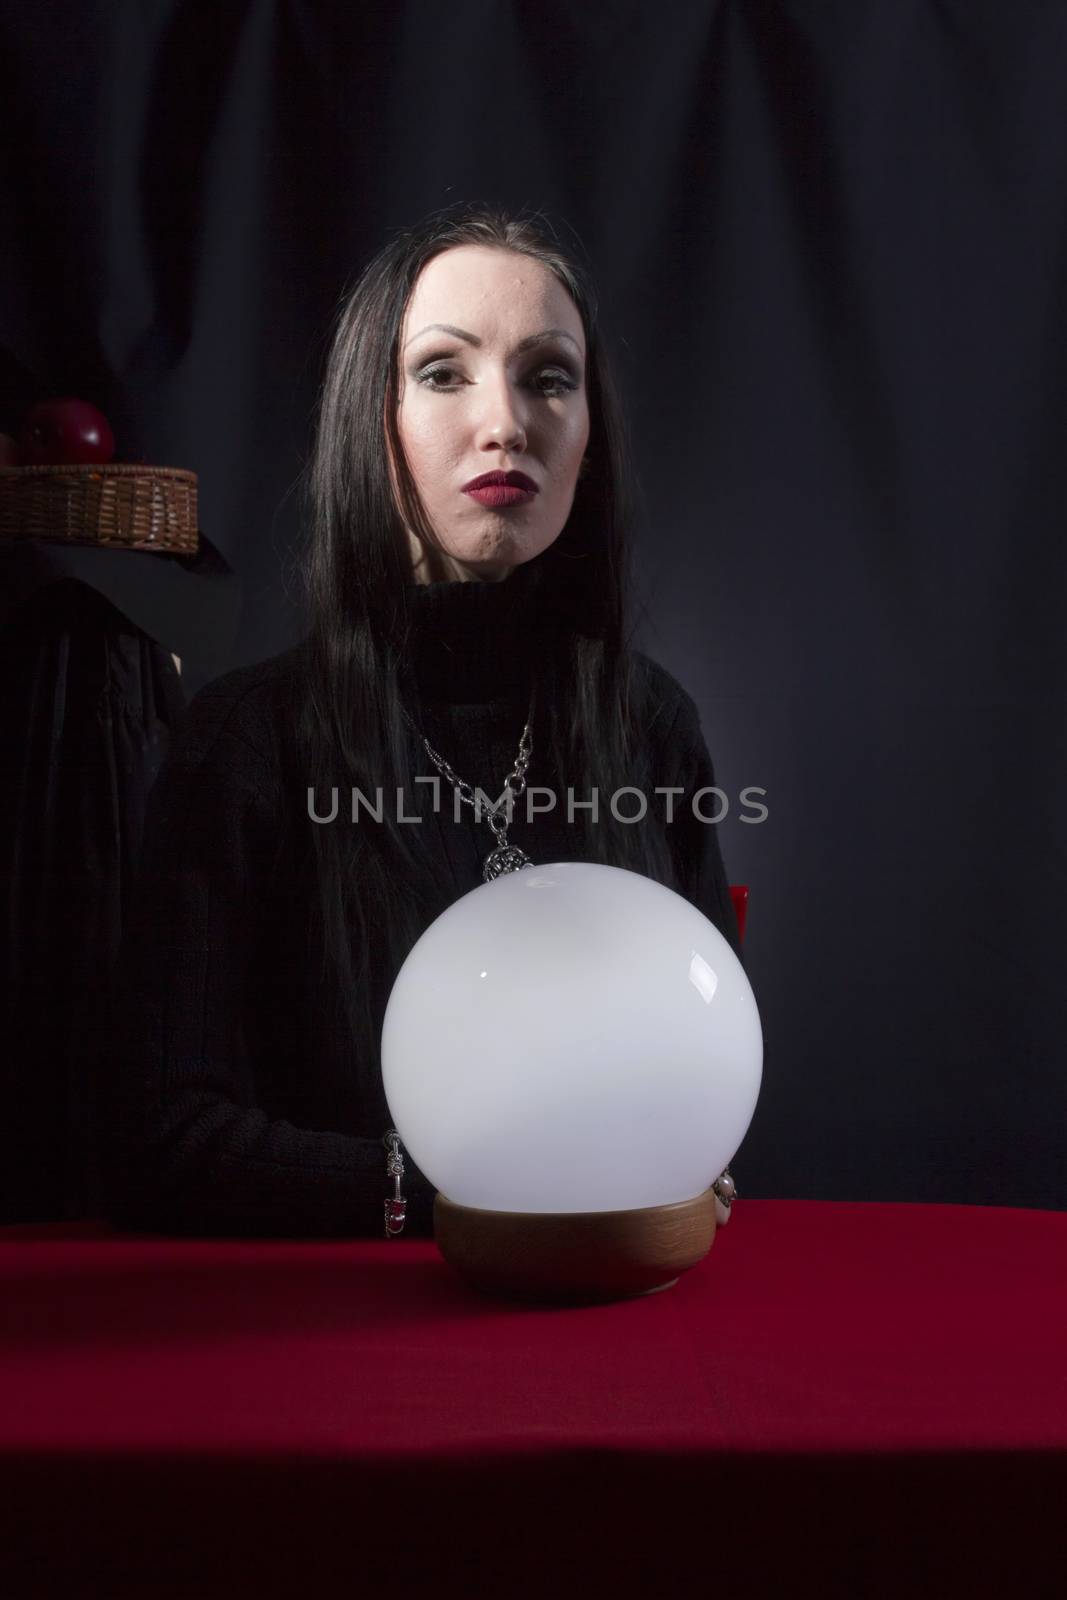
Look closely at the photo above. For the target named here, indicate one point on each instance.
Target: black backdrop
(831, 238)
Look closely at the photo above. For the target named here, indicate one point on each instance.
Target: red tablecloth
(867, 1397)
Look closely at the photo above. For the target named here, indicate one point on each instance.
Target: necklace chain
(505, 857)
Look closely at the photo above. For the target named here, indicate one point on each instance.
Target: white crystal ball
(571, 1037)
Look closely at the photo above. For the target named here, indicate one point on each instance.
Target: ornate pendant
(508, 858)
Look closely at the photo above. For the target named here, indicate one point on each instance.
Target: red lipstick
(499, 489)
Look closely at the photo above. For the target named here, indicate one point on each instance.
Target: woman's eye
(433, 373)
(559, 382)
(548, 381)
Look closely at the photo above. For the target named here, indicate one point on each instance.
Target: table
(865, 1398)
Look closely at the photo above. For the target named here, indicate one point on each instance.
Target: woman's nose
(502, 422)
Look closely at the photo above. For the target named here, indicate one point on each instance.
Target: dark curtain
(829, 236)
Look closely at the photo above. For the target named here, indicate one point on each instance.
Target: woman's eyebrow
(472, 338)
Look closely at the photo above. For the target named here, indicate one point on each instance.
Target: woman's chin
(484, 571)
(489, 559)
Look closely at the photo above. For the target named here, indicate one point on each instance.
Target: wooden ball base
(574, 1258)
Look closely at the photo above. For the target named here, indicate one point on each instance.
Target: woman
(452, 622)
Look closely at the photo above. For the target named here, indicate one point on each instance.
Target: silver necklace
(503, 857)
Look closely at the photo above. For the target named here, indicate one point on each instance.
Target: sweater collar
(476, 642)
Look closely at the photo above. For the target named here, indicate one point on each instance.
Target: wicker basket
(116, 506)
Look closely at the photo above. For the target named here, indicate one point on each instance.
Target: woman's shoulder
(243, 717)
(671, 719)
(664, 701)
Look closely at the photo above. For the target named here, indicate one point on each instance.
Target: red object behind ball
(65, 432)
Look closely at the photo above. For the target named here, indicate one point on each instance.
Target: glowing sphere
(571, 1037)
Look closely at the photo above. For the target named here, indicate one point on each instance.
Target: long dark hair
(360, 586)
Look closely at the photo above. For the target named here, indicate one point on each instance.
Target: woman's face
(499, 389)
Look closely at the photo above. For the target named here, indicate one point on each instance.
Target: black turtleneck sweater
(230, 1106)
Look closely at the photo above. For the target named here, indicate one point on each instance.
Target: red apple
(65, 432)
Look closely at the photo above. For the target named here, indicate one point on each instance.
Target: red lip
(510, 480)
